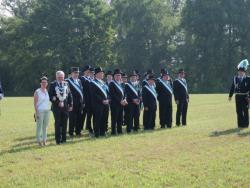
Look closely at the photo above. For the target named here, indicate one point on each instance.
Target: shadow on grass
(32, 137)
(29, 143)
(225, 132)
(244, 134)
(34, 146)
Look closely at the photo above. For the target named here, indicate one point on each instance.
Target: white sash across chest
(151, 91)
(182, 83)
(102, 90)
(76, 87)
(119, 87)
(132, 88)
(166, 86)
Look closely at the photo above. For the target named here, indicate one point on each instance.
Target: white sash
(76, 87)
(181, 82)
(119, 87)
(166, 86)
(132, 88)
(152, 92)
(103, 91)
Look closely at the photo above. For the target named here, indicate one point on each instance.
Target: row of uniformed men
(90, 97)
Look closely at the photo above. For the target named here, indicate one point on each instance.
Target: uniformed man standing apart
(1, 91)
(164, 90)
(133, 99)
(181, 97)
(62, 104)
(87, 111)
(99, 102)
(149, 98)
(1, 95)
(118, 101)
(75, 116)
(241, 87)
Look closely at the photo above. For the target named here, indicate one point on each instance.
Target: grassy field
(209, 152)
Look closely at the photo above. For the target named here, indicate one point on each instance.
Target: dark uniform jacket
(131, 92)
(98, 93)
(164, 91)
(180, 90)
(240, 87)
(116, 93)
(68, 102)
(77, 93)
(149, 98)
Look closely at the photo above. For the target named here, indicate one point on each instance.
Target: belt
(241, 93)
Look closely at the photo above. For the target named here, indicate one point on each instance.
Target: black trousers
(125, 115)
(181, 114)
(242, 111)
(84, 115)
(100, 116)
(75, 121)
(116, 119)
(165, 113)
(133, 111)
(106, 120)
(149, 119)
(88, 115)
(61, 118)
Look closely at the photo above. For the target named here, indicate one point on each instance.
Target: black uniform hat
(98, 69)
(150, 71)
(75, 69)
(86, 67)
(109, 72)
(124, 75)
(137, 72)
(243, 65)
(133, 73)
(92, 69)
(117, 71)
(151, 77)
(181, 71)
(164, 72)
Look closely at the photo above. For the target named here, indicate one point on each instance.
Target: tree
(216, 39)
(144, 31)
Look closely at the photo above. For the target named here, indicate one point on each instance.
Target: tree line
(205, 37)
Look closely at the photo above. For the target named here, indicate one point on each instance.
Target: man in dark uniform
(241, 87)
(99, 102)
(149, 72)
(149, 97)
(164, 90)
(181, 97)
(75, 116)
(118, 101)
(133, 99)
(87, 111)
(1, 91)
(109, 77)
(62, 104)
(125, 108)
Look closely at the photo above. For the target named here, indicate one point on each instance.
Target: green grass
(209, 152)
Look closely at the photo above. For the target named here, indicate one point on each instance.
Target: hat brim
(151, 79)
(99, 72)
(242, 69)
(133, 75)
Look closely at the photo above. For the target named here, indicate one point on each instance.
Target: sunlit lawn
(209, 152)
